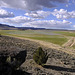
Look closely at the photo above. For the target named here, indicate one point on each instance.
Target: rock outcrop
(9, 64)
(59, 62)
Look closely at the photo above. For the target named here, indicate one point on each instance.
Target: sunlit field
(44, 35)
(66, 33)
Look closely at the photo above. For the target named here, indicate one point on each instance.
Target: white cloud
(73, 1)
(30, 4)
(74, 26)
(16, 20)
(29, 22)
(49, 24)
(5, 14)
(72, 14)
(38, 14)
(67, 5)
(63, 14)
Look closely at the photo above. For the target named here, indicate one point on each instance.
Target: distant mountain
(32, 28)
(7, 27)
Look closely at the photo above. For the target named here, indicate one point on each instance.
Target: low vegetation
(0, 35)
(43, 35)
(66, 33)
(40, 57)
(73, 46)
(53, 39)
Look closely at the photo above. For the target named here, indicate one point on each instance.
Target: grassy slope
(67, 33)
(36, 34)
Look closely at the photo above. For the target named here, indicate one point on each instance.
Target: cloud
(49, 24)
(38, 14)
(5, 14)
(63, 14)
(74, 26)
(29, 22)
(31, 5)
(67, 5)
(16, 20)
(73, 1)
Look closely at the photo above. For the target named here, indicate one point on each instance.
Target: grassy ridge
(36, 34)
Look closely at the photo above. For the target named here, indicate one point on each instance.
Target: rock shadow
(11, 65)
(58, 68)
(20, 72)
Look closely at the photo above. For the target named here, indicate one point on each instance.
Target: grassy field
(66, 33)
(44, 35)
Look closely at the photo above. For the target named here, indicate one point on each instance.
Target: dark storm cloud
(31, 5)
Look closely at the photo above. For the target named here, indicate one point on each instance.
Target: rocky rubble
(59, 63)
(10, 63)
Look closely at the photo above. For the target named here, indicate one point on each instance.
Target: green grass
(66, 33)
(73, 46)
(55, 40)
(37, 35)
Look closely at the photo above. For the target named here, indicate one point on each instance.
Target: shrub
(0, 35)
(40, 57)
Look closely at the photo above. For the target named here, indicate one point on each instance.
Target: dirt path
(70, 42)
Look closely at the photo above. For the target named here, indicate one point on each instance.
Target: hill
(32, 28)
(7, 27)
(59, 62)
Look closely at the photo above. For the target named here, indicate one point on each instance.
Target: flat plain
(44, 35)
(55, 37)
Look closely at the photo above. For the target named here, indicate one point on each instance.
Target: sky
(50, 14)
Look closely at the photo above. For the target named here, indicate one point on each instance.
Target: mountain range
(8, 27)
